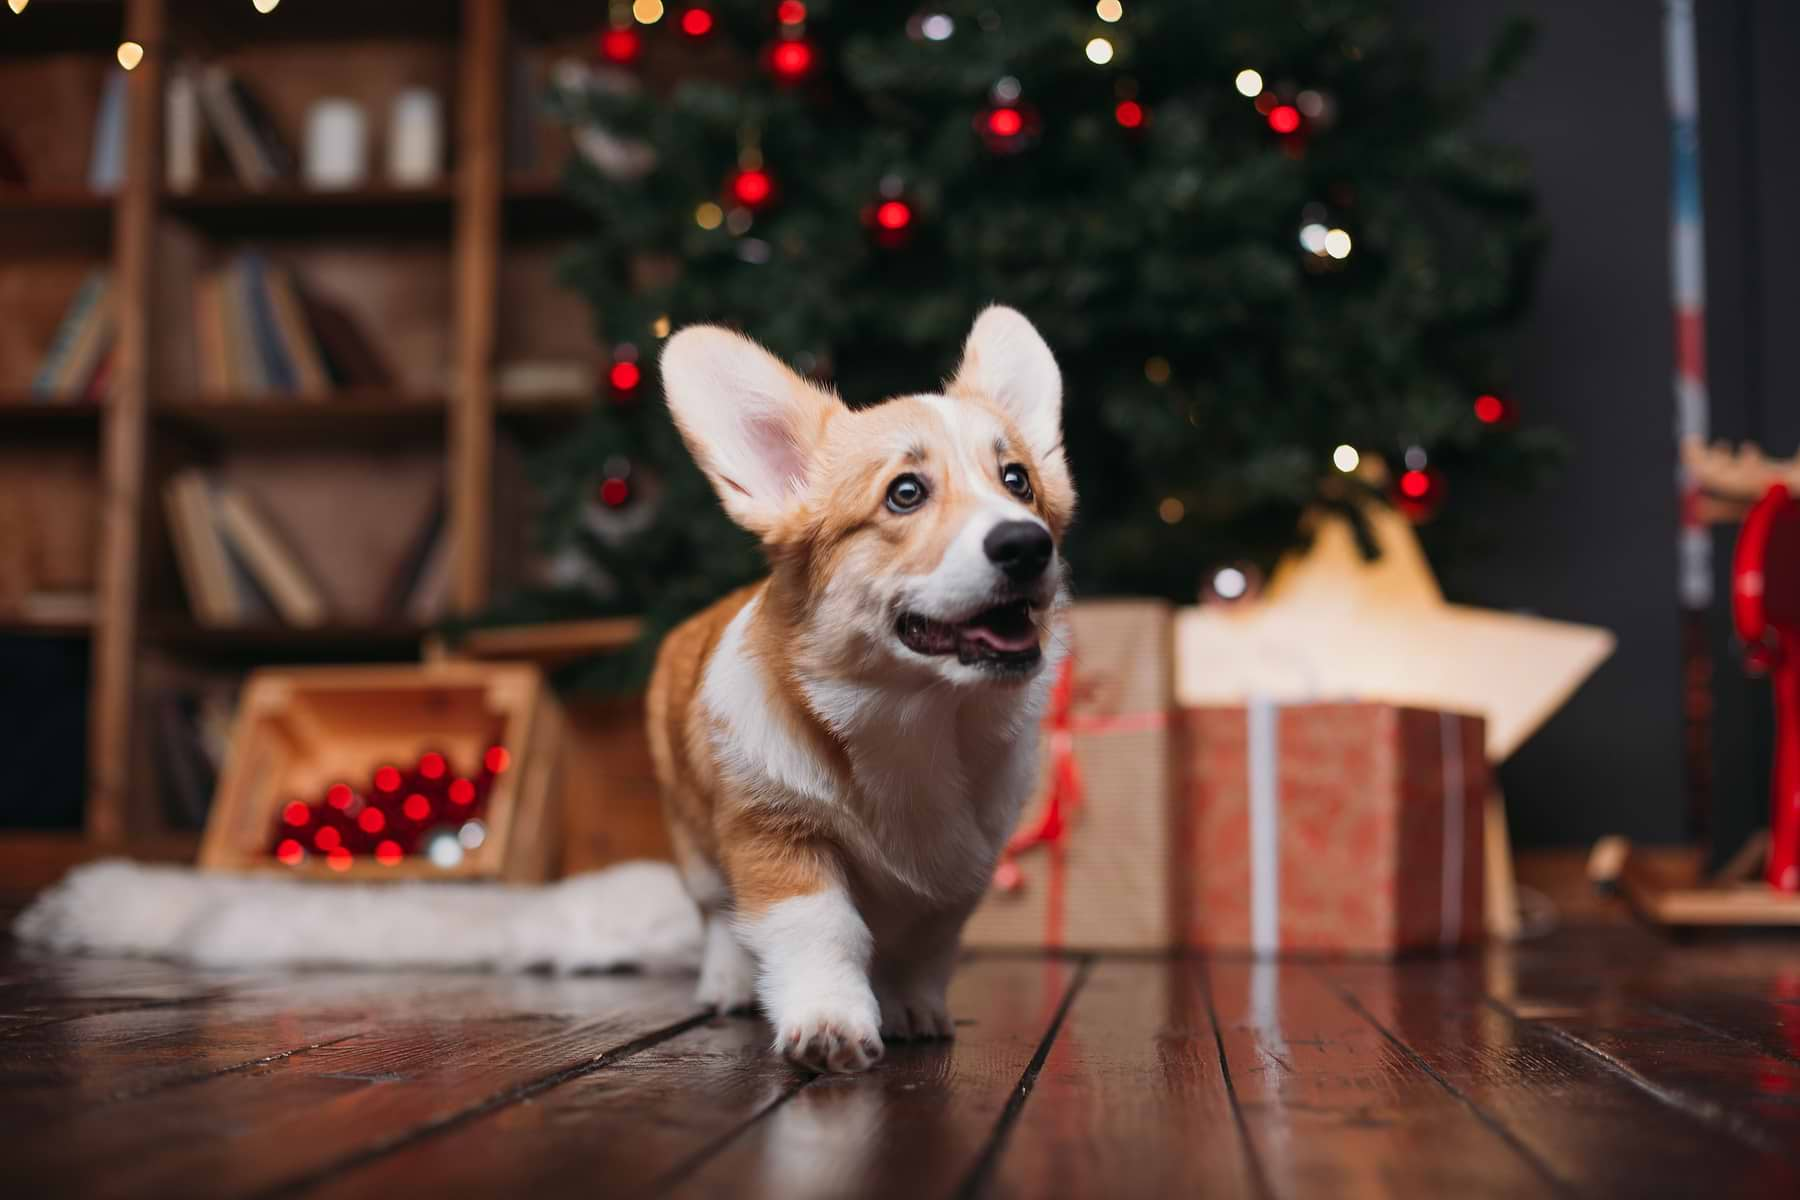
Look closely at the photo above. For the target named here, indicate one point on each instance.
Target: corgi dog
(844, 748)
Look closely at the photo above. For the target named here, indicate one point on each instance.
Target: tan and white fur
(845, 747)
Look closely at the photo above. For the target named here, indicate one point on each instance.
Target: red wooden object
(1765, 604)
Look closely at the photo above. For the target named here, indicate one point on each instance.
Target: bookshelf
(449, 279)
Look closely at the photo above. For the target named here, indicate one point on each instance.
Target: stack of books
(201, 98)
(260, 333)
(238, 569)
(80, 357)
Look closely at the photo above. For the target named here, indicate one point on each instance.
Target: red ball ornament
(792, 59)
(621, 45)
(387, 779)
(696, 22)
(327, 838)
(289, 851)
(1005, 122)
(1284, 118)
(893, 215)
(1420, 493)
(417, 808)
(296, 813)
(432, 765)
(340, 796)
(496, 760)
(790, 12)
(339, 859)
(1129, 113)
(388, 853)
(372, 820)
(1007, 128)
(615, 493)
(1492, 410)
(752, 188)
(624, 376)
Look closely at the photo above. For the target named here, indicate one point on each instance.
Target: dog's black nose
(1021, 549)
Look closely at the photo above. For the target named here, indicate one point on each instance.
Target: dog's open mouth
(1002, 636)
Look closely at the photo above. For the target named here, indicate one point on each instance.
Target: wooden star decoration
(1333, 626)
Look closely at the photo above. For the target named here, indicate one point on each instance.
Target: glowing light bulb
(1313, 237)
(647, 12)
(17, 6)
(660, 326)
(1249, 82)
(1156, 369)
(1109, 10)
(1171, 510)
(1099, 51)
(1337, 243)
(938, 27)
(709, 215)
(1230, 583)
(1346, 459)
(264, 6)
(130, 55)
(1415, 458)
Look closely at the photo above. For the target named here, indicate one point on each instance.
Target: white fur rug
(631, 915)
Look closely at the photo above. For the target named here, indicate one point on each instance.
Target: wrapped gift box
(1090, 866)
(1332, 828)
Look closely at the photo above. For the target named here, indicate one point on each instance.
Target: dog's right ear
(752, 424)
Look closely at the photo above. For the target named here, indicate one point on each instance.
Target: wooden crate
(300, 730)
(611, 810)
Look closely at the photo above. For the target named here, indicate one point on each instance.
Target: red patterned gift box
(1090, 864)
(1332, 828)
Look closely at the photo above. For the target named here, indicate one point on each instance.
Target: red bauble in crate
(1765, 606)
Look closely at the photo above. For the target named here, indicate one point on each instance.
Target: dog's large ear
(752, 424)
(1006, 361)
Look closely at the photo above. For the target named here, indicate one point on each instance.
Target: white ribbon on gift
(1264, 760)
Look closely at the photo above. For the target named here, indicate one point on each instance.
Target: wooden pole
(480, 164)
(109, 817)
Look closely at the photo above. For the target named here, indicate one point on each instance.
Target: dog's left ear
(1006, 361)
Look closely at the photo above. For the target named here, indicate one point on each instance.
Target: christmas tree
(1264, 241)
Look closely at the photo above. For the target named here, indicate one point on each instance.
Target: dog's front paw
(842, 1038)
(915, 1015)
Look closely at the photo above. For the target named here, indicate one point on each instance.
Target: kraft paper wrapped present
(1090, 865)
(1332, 828)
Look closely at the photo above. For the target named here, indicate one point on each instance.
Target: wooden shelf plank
(382, 639)
(356, 415)
(63, 27)
(532, 209)
(26, 414)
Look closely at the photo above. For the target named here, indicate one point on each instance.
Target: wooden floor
(1601, 1062)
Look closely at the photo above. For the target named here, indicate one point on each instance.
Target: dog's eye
(1016, 480)
(906, 493)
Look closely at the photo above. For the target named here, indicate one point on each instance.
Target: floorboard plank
(1132, 1098)
(630, 1124)
(300, 1118)
(1592, 1128)
(1335, 1107)
(915, 1126)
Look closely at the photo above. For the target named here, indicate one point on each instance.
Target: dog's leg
(727, 973)
(812, 951)
(913, 980)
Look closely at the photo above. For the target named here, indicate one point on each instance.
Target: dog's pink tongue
(1007, 642)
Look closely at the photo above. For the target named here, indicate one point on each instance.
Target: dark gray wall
(1596, 354)
(1595, 357)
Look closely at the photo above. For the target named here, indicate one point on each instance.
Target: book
(248, 376)
(58, 606)
(252, 269)
(200, 555)
(352, 360)
(219, 101)
(75, 323)
(209, 336)
(415, 563)
(89, 349)
(276, 152)
(296, 336)
(182, 132)
(106, 160)
(273, 567)
(98, 385)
